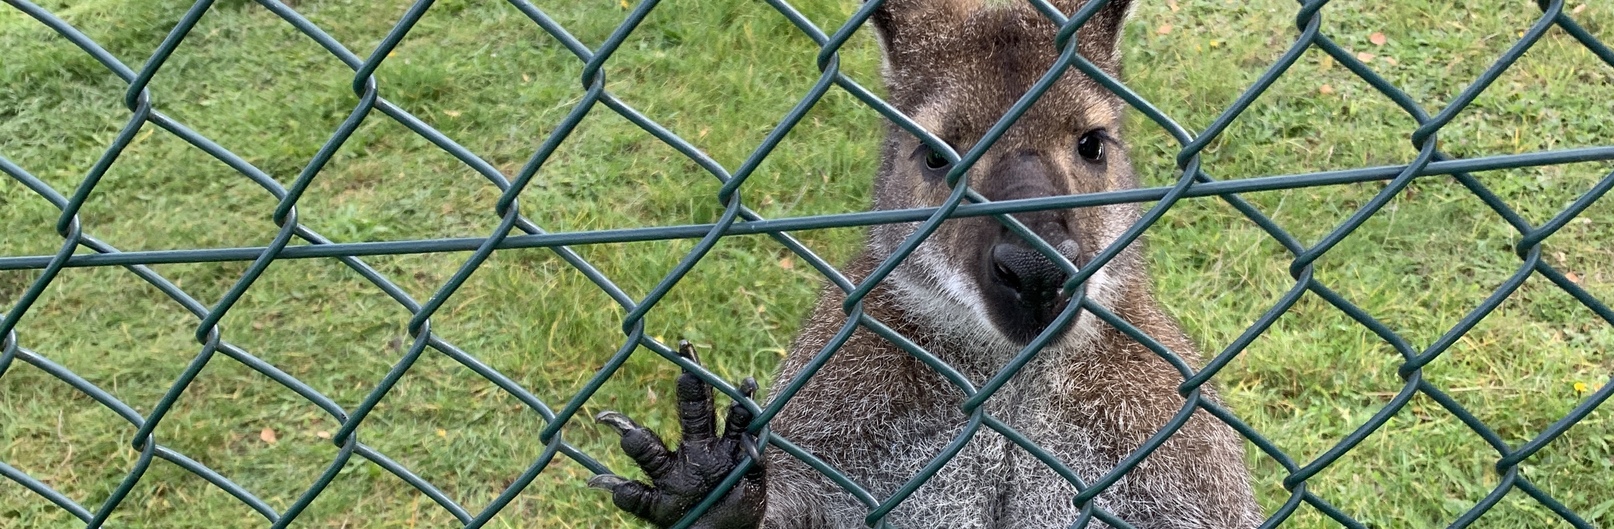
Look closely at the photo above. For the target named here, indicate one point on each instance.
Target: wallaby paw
(680, 479)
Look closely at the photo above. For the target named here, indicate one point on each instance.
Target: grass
(721, 73)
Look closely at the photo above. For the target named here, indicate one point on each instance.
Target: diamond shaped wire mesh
(516, 229)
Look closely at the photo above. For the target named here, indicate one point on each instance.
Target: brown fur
(1090, 398)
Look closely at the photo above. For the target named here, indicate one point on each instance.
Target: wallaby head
(956, 67)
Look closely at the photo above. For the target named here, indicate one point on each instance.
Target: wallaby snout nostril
(1031, 275)
(1004, 275)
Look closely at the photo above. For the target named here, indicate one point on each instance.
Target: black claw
(606, 481)
(687, 350)
(748, 387)
(621, 423)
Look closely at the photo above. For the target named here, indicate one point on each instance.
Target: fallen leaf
(1575, 11)
(1392, 61)
(322, 434)
(1163, 29)
(1173, 5)
(787, 263)
(1326, 89)
(268, 436)
(442, 433)
(1377, 39)
(1365, 57)
(453, 113)
(1572, 277)
(624, 4)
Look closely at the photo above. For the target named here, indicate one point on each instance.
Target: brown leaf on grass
(1173, 5)
(1575, 11)
(1365, 56)
(1163, 29)
(268, 436)
(787, 263)
(1326, 89)
(322, 434)
(1377, 39)
(1572, 277)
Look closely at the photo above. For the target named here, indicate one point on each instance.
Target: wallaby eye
(1091, 146)
(935, 161)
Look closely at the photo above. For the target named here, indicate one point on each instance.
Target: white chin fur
(930, 291)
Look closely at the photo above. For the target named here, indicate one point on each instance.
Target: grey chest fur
(991, 482)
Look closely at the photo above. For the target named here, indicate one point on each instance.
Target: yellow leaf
(624, 4)
(442, 433)
(453, 113)
(322, 434)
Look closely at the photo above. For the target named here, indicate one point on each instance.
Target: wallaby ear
(902, 23)
(1099, 39)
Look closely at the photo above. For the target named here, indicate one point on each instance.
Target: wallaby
(973, 295)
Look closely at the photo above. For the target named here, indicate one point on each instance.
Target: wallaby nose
(1031, 275)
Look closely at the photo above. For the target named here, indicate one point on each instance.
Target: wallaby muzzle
(1023, 287)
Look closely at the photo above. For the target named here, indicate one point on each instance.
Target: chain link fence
(517, 229)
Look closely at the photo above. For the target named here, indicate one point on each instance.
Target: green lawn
(721, 73)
